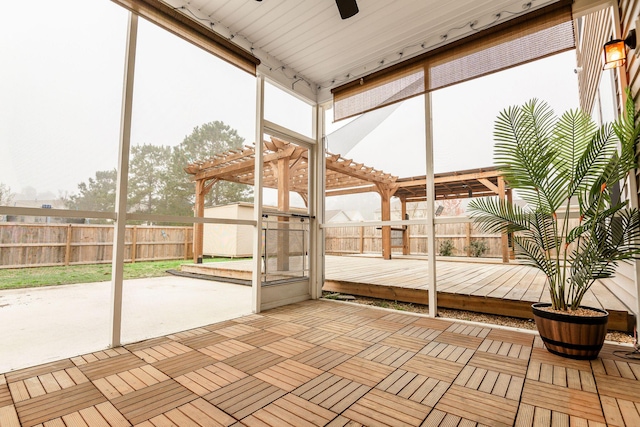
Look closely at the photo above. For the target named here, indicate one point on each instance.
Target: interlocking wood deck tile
(561, 399)
(620, 412)
(162, 351)
(459, 340)
(621, 388)
(203, 340)
(9, 416)
(147, 343)
(226, 349)
(386, 355)
(357, 320)
(491, 381)
(341, 421)
(508, 365)
(366, 333)
(404, 342)
(400, 318)
(290, 411)
(386, 325)
(178, 336)
(288, 347)
(542, 355)
(309, 321)
(348, 345)
(103, 414)
(151, 401)
(315, 336)
(116, 385)
(478, 406)
(321, 358)
(253, 361)
(629, 369)
(5, 395)
(415, 387)
(236, 330)
(433, 367)
(221, 325)
(531, 416)
(431, 323)
(260, 338)
(469, 330)
(54, 405)
(34, 371)
(113, 365)
(183, 363)
(420, 332)
(562, 376)
(363, 371)
(522, 338)
(288, 374)
(98, 355)
(263, 322)
(505, 348)
(210, 378)
(245, 396)
(449, 352)
(331, 392)
(198, 413)
(287, 329)
(380, 408)
(337, 327)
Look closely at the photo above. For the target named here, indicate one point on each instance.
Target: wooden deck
(328, 363)
(485, 287)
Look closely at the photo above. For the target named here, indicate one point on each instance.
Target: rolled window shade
(501, 50)
(385, 90)
(533, 36)
(186, 28)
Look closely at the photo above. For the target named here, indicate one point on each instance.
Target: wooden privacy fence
(358, 240)
(39, 245)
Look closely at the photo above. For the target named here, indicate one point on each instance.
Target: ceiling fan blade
(347, 8)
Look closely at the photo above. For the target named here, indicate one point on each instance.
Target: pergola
(286, 168)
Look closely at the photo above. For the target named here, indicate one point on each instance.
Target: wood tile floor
(327, 363)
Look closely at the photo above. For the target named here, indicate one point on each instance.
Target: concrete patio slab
(38, 325)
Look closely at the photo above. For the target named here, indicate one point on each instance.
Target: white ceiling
(305, 46)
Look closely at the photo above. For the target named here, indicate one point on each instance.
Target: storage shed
(228, 240)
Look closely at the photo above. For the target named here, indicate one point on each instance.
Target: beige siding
(596, 30)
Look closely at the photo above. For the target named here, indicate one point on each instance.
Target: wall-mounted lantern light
(615, 51)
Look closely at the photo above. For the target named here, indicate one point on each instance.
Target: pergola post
(386, 216)
(504, 237)
(198, 228)
(283, 222)
(406, 245)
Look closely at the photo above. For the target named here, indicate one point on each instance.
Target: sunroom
(286, 74)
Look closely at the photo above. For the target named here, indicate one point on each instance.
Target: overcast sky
(61, 85)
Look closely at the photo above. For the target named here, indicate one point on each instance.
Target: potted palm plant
(566, 168)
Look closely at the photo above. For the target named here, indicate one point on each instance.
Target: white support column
(122, 180)
(431, 198)
(316, 204)
(256, 282)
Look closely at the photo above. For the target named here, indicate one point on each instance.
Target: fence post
(186, 243)
(361, 240)
(468, 239)
(134, 243)
(67, 252)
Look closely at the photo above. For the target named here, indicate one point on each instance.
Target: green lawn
(50, 276)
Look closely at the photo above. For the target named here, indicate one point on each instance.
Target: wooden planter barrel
(567, 335)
